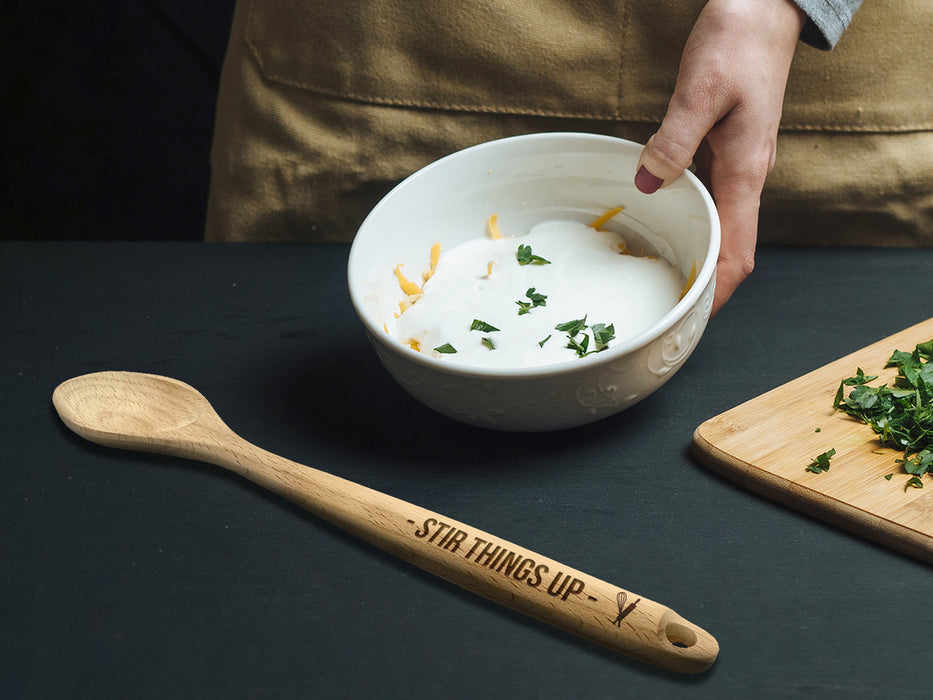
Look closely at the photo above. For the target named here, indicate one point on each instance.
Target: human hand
(724, 117)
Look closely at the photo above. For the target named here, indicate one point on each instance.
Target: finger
(731, 271)
(738, 203)
(736, 259)
(665, 157)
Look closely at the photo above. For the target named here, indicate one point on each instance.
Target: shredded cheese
(411, 290)
(598, 223)
(492, 227)
(492, 264)
(435, 257)
(405, 304)
(690, 280)
(409, 287)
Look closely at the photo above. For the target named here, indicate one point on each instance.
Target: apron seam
(612, 113)
(375, 100)
(860, 128)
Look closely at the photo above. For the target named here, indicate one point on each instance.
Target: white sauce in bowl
(587, 277)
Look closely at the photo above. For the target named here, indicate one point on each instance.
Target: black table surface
(135, 575)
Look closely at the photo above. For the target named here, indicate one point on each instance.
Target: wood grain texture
(766, 444)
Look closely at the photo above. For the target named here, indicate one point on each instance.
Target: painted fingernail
(646, 182)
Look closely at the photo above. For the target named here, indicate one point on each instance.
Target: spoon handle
(482, 563)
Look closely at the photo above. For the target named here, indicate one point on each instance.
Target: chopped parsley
(487, 341)
(542, 342)
(580, 346)
(901, 415)
(536, 299)
(446, 349)
(478, 325)
(572, 327)
(526, 257)
(820, 463)
(602, 334)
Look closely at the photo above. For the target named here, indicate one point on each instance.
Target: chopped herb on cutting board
(901, 415)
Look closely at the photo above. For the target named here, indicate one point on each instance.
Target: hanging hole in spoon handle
(680, 635)
(151, 413)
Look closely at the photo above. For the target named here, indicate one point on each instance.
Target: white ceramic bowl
(526, 180)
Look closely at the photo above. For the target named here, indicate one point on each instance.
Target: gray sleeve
(826, 20)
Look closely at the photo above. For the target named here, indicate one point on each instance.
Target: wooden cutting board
(766, 444)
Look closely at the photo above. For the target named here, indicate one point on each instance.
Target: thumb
(670, 151)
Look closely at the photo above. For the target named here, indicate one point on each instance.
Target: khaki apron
(324, 106)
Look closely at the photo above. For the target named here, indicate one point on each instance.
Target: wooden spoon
(157, 414)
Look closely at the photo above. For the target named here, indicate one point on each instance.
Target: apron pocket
(589, 59)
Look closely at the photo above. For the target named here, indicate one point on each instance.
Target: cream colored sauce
(588, 276)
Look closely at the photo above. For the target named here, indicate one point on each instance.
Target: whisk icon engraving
(623, 609)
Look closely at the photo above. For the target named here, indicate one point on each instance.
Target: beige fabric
(324, 106)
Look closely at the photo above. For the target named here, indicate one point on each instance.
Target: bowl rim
(705, 276)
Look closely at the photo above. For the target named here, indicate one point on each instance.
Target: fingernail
(646, 182)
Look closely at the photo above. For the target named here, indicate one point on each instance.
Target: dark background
(136, 576)
(107, 115)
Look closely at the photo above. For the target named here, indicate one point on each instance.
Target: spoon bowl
(135, 411)
(96, 403)
(151, 413)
